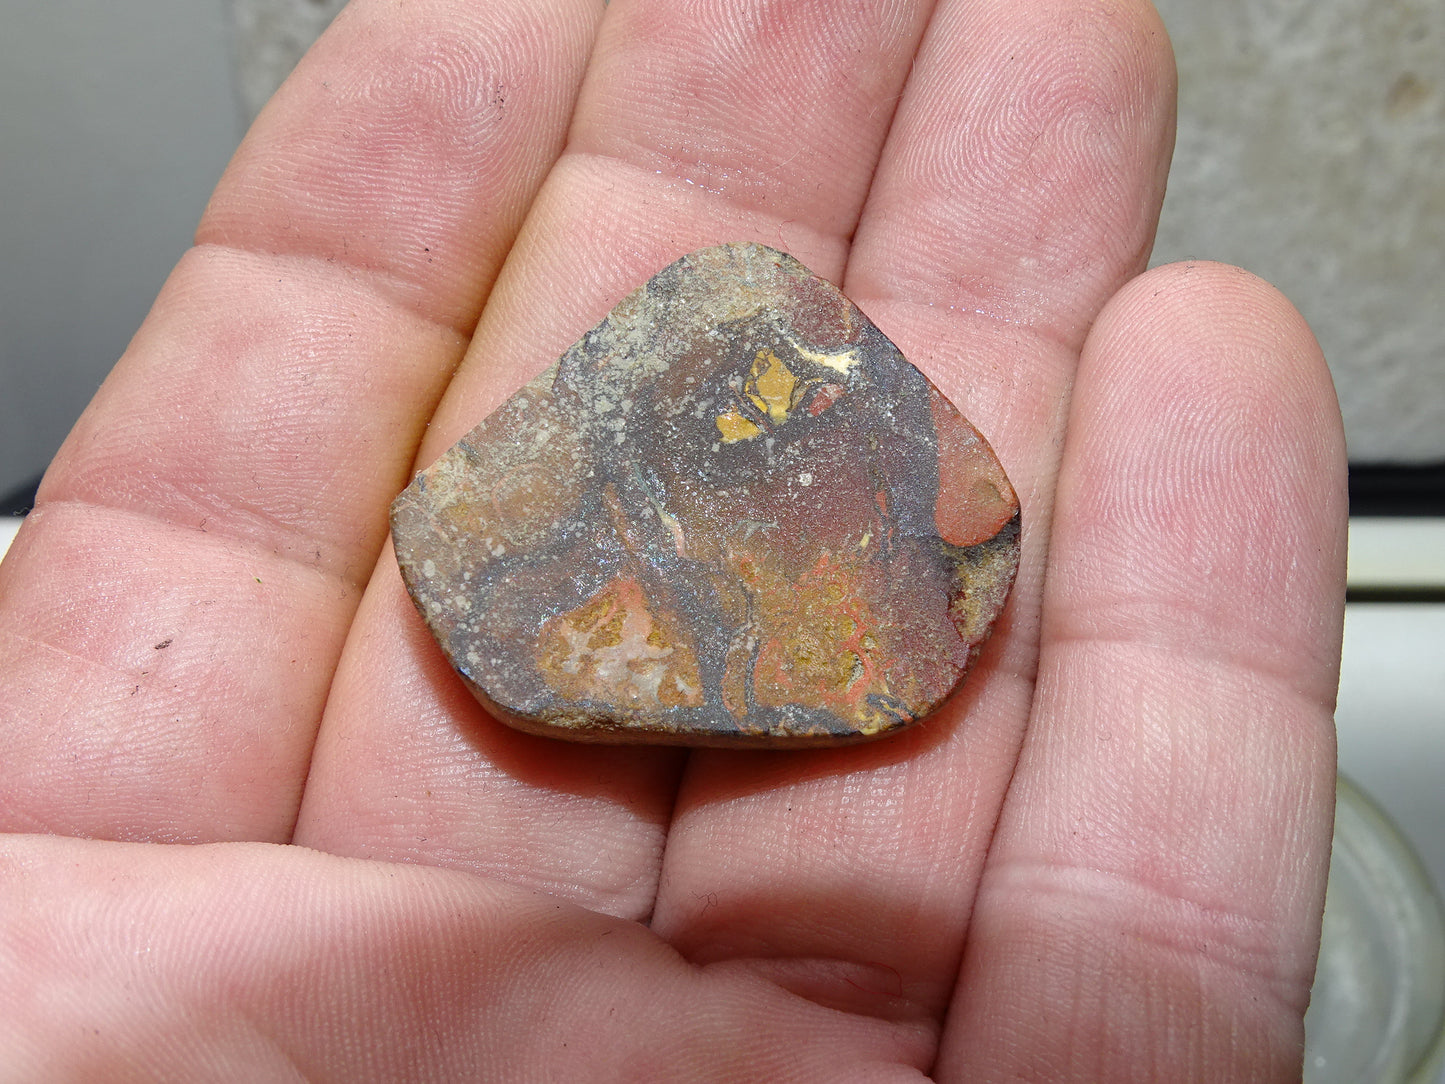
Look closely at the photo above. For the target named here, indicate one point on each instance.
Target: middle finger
(697, 124)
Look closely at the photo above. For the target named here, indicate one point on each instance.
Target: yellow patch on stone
(771, 385)
(734, 426)
(776, 390)
(870, 720)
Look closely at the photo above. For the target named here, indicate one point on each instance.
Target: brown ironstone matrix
(732, 514)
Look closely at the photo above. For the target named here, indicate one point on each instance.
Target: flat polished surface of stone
(732, 514)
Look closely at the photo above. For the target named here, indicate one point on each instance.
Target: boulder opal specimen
(732, 514)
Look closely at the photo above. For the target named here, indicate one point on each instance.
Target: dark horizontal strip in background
(1388, 489)
(1424, 593)
(20, 499)
(1375, 490)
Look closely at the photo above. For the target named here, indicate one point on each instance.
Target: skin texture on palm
(1104, 861)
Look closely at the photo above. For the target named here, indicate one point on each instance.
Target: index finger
(171, 614)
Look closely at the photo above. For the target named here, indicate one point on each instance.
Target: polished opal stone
(732, 514)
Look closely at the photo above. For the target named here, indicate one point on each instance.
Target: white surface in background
(1390, 552)
(1391, 717)
(8, 526)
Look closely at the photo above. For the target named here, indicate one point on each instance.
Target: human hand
(1104, 860)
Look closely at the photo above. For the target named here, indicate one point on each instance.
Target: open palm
(298, 849)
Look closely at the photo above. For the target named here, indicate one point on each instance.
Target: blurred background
(117, 120)
(1311, 151)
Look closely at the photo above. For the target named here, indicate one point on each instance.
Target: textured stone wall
(271, 35)
(1311, 151)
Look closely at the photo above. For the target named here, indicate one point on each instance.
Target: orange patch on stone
(975, 499)
(614, 645)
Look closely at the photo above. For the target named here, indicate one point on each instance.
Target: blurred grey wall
(1311, 150)
(115, 121)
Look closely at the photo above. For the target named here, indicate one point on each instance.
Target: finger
(263, 962)
(870, 855)
(1153, 895)
(173, 610)
(695, 126)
